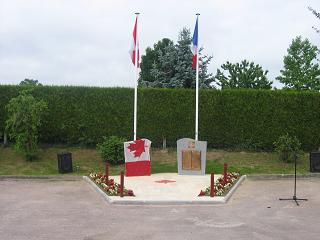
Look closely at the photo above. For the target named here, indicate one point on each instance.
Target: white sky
(86, 42)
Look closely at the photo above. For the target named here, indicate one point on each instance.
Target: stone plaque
(191, 156)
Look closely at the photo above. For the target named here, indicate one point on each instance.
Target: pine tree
(172, 65)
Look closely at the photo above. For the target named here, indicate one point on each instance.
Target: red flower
(130, 192)
(111, 182)
(202, 193)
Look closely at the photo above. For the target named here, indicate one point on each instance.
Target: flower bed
(221, 188)
(110, 187)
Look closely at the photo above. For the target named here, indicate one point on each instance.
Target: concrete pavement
(42, 209)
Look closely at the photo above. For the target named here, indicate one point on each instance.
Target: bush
(287, 147)
(24, 119)
(111, 149)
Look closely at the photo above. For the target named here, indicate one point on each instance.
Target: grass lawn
(86, 160)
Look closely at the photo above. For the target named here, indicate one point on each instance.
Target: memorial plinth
(191, 155)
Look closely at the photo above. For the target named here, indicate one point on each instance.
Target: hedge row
(229, 118)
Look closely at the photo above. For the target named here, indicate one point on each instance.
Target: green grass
(86, 160)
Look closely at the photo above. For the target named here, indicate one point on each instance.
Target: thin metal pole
(197, 86)
(225, 172)
(107, 172)
(212, 193)
(136, 84)
(121, 183)
(295, 175)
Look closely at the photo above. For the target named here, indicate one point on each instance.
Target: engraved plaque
(186, 159)
(196, 160)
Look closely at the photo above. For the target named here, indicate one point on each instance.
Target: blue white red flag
(194, 46)
(135, 45)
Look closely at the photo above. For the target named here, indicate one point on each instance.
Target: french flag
(137, 158)
(135, 45)
(194, 46)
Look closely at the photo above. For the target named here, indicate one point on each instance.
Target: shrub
(24, 119)
(111, 149)
(287, 147)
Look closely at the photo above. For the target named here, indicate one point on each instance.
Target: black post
(294, 198)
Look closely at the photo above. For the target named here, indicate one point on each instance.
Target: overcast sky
(86, 42)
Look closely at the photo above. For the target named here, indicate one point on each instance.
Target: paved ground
(42, 209)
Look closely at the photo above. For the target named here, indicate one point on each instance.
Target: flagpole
(136, 85)
(197, 87)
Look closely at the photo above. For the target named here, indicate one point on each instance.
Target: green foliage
(301, 68)
(169, 65)
(111, 149)
(151, 58)
(242, 75)
(227, 119)
(287, 147)
(24, 119)
(317, 15)
(30, 82)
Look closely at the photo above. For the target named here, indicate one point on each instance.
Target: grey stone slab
(191, 144)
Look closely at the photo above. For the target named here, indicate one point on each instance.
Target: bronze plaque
(186, 159)
(196, 160)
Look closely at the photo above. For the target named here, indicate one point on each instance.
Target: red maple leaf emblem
(165, 181)
(137, 147)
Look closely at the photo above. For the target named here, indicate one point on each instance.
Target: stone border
(132, 201)
(50, 178)
(281, 176)
(234, 188)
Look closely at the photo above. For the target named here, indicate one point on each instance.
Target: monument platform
(166, 188)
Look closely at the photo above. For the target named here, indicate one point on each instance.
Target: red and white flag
(137, 158)
(135, 45)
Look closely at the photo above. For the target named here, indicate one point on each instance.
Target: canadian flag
(137, 157)
(135, 45)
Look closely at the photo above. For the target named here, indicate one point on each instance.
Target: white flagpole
(136, 85)
(197, 87)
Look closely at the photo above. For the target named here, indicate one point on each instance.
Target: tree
(317, 14)
(152, 57)
(242, 75)
(24, 120)
(301, 70)
(30, 82)
(172, 65)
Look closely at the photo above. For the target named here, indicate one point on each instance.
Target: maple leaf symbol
(165, 181)
(137, 147)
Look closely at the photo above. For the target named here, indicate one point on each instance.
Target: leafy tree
(30, 82)
(317, 14)
(172, 65)
(301, 70)
(242, 75)
(24, 120)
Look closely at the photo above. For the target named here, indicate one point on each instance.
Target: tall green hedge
(229, 118)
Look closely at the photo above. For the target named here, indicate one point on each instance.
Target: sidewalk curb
(132, 201)
(234, 188)
(281, 176)
(50, 178)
